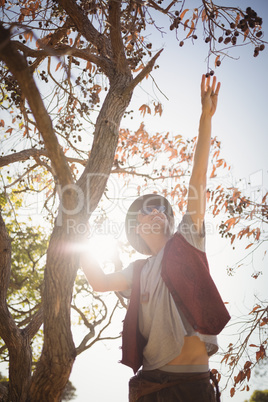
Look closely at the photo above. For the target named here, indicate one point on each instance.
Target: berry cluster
(43, 76)
(241, 24)
(175, 23)
(210, 73)
(249, 21)
(13, 90)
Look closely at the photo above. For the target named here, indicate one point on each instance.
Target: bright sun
(103, 248)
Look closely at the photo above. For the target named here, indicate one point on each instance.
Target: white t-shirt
(160, 322)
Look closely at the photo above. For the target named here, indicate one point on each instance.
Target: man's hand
(209, 95)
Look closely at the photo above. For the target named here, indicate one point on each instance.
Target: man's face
(152, 220)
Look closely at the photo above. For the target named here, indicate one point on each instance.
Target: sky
(241, 124)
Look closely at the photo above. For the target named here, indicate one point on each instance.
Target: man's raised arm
(197, 186)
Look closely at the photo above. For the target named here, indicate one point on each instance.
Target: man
(175, 310)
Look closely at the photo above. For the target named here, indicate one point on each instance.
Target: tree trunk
(20, 369)
(58, 355)
(98, 168)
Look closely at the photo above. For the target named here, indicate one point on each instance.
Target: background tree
(89, 57)
(67, 395)
(259, 396)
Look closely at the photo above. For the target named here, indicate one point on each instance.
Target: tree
(259, 396)
(247, 219)
(67, 395)
(64, 120)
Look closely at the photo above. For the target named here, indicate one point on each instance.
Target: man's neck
(156, 243)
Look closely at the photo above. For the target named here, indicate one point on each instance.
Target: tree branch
(19, 68)
(34, 325)
(8, 329)
(115, 35)
(61, 50)
(55, 38)
(35, 154)
(85, 27)
(3, 392)
(147, 69)
(158, 8)
(5, 263)
(22, 156)
(83, 345)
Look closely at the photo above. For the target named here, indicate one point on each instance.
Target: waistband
(185, 368)
(146, 382)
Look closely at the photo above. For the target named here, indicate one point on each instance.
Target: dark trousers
(188, 387)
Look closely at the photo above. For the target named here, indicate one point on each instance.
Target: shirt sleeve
(188, 230)
(128, 274)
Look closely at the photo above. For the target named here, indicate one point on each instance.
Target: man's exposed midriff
(193, 352)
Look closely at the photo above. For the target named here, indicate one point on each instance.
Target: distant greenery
(259, 396)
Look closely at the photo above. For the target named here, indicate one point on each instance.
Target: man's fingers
(203, 81)
(208, 83)
(218, 88)
(205, 86)
(214, 83)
